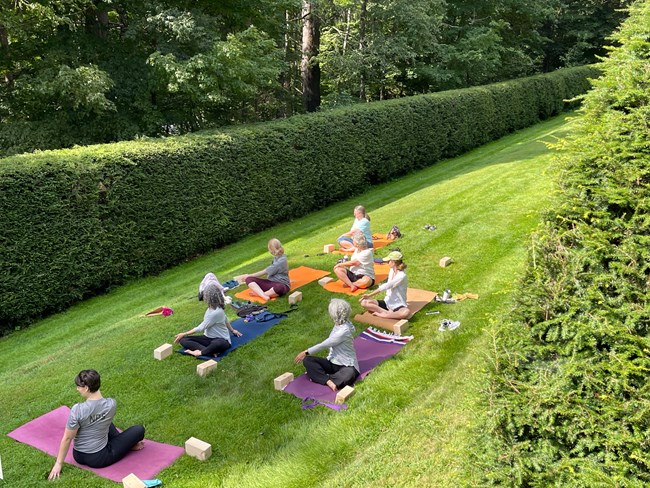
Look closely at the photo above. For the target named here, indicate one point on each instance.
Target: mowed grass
(415, 421)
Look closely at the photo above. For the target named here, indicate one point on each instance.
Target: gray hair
(359, 240)
(213, 296)
(339, 310)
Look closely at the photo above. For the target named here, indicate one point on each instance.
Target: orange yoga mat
(378, 240)
(417, 299)
(299, 276)
(381, 273)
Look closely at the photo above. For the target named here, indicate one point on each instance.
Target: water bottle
(446, 295)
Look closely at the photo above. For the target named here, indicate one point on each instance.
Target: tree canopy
(89, 71)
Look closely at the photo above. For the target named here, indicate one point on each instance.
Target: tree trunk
(97, 20)
(4, 50)
(309, 67)
(362, 47)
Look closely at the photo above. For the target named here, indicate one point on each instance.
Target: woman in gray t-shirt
(277, 281)
(97, 443)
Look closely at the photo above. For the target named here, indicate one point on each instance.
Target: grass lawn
(415, 421)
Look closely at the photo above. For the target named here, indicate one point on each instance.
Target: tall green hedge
(571, 394)
(74, 222)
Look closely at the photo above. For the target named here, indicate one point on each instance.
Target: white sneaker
(453, 325)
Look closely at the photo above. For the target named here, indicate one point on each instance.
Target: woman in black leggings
(97, 443)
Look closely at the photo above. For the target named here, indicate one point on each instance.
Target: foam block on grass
(132, 481)
(283, 380)
(295, 297)
(444, 262)
(163, 352)
(344, 394)
(401, 326)
(204, 369)
(326, 280)
(329, 248)
(198, 449)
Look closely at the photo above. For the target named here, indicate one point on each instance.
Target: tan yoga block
(295, 297)
(444, 262)
(132, 481)
(283, 380)
(329, 248)
(401, 326)
(344, 394)
(204, 369)
(163, 352)
(326, 280)
(197, 448)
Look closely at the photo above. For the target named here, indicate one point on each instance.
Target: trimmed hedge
(570, 394)
(77, 221)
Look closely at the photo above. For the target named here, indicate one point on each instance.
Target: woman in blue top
(277, 281)
(361, 223)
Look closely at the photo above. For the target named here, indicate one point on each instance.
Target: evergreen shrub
(570, 391)
(77, 221)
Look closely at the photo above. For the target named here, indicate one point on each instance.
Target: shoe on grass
(453, 325)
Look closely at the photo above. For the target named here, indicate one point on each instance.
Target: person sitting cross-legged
(394, 305)
(359, 271)
(215, 327)
(341, 366)
(97, 442)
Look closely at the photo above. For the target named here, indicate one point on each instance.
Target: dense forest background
(92, 71)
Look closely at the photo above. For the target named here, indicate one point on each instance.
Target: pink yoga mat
(45, 432)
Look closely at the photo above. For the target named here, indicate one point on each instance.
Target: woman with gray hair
(341, 367)
(359, 271)
(215, 327)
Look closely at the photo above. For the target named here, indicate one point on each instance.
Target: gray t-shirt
(340, 343)
(279, 270)
(92, 418)
(214, 324)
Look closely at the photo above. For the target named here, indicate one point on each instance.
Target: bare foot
(196, 353)
(263, 296)
(138, 446)
(354, 288)
(331, 385)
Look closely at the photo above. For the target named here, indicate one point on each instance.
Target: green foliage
(78, 221)
(423, 407)
(571, 393)
(221, 84)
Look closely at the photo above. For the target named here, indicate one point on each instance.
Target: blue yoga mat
(250, 330)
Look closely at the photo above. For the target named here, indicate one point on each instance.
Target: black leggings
(320, 370)
(207, 346)
(119, 444)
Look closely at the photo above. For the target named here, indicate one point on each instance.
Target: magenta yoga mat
(45, 432)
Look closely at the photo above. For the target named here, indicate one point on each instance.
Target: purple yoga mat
(45, 432)
(370, 352)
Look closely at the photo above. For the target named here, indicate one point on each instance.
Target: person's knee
(308, 361)
(139, 430)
